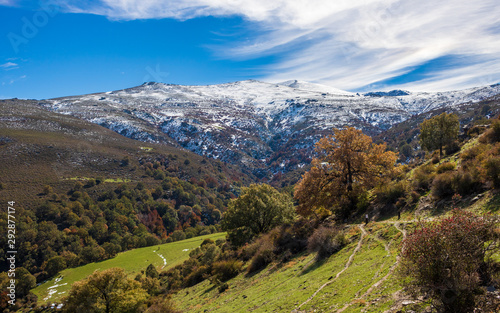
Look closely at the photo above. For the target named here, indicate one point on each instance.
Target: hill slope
(38, 148)
(134, 261)
(354, 279)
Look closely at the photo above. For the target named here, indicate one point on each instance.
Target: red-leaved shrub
(449, 260)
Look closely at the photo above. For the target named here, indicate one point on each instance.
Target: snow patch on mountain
(251, 122)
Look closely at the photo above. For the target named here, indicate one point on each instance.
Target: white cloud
(347, 43)
(9, 66)
(7, 2)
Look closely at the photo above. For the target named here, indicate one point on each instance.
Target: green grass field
(162, 256)
(282, 288)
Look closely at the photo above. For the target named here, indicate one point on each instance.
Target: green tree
(109, 291)
(257, 210)
(349, 163)
(24, 281)
(439, 131)
(406, 151)
(151, 271)
(55, 265)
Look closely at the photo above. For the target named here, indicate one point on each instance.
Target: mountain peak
(303, 85)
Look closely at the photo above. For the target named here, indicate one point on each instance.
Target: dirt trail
(349, 262)
(391, 270)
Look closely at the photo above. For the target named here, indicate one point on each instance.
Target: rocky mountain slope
(252, 123)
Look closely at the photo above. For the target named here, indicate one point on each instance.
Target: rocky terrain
(252, 123)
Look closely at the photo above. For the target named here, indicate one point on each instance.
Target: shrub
(247, 252)
(263, 256)
(197, 275)
(326, 241)
(223, 287)
(151, 271)
(391, 192)
(47, 190)
(225, 270)
(452, 147)
(239, 236)
(446, 260)
(492, 135)
(206, 242)
(291, 238)
(162, 305)
(442, 186)
(492, 170)
(178, 235)
(465, 183)
(471, 153)
(423, 177)
(445, 167)
(435, 159)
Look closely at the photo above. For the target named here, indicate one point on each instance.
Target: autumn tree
(257, 210)
(109, 291)
(439, 131)
(348, 164)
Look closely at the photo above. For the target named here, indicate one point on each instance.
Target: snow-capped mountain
(251, 122)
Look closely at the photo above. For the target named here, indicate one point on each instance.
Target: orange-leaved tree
(348, 164)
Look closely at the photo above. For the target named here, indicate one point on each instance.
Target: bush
(390, 193)
(492, 135)
(161, 304)
(445, 167)
(47, 190)
(471, 153)
(452, 147)
(178, 235)
(151, 271)
(423, 177)
(448, 260)
(247, 252)
(292, 238)
(223, 287)
(239, 236)
(449, 183)
(326, 241)
(442, 186)
(207, 242)
(225, 270)
(197, 276)
(465, 183)
(262, 257)
(435, 159)
(492, 170)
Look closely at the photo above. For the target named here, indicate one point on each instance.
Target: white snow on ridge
(303, 85)
(240, 120)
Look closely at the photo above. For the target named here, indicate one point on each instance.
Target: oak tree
(348, 164)
(439, 131)
(109, 291)
(257, 210)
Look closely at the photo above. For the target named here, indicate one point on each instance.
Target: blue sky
(65, 47)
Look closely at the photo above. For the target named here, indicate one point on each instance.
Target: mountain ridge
(252, 123)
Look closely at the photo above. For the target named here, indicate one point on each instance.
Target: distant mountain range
(252, 123)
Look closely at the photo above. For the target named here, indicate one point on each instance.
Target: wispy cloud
(8, 2)
(9, 66)
(346, 43)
